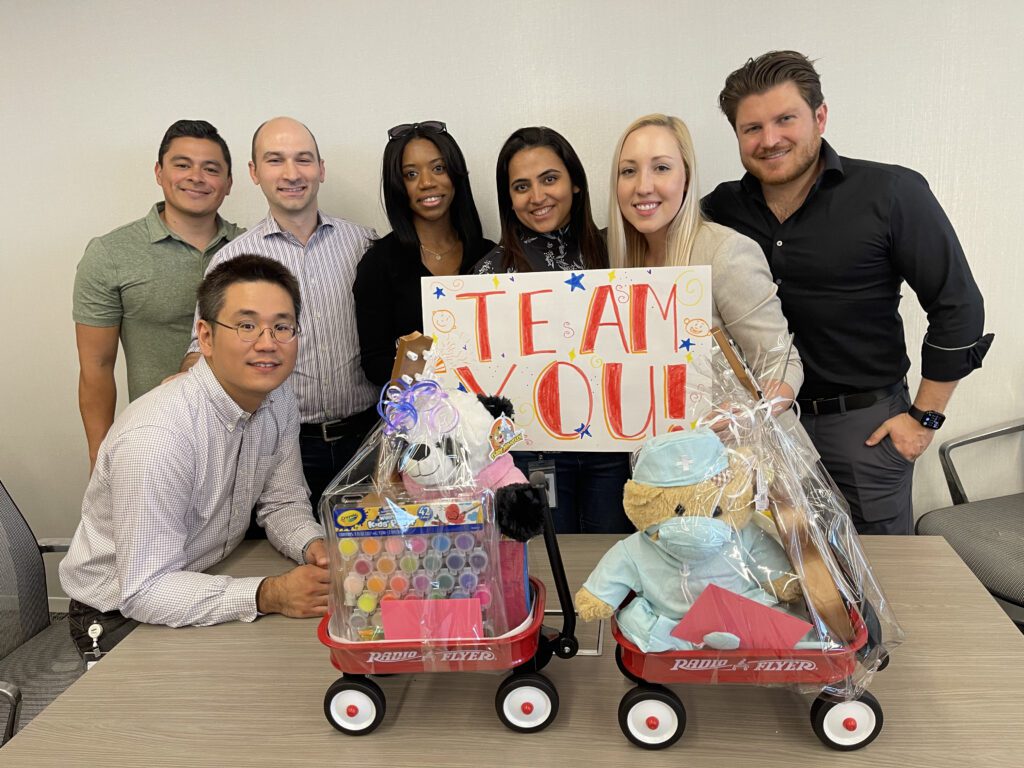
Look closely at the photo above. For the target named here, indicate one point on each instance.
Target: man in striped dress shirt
(335, 399)
(183, 465)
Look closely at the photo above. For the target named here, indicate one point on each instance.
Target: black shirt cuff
(953, 364)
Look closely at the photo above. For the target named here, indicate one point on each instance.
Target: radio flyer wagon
(526, 700)
(652, 716)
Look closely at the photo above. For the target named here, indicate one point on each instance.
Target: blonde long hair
(626, 246)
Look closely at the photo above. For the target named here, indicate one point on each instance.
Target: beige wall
(87, 89)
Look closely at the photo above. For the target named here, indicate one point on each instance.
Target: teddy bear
(460, 441)
(691, 501)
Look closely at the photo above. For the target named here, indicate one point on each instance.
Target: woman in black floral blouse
(546, 225)
(544, 206)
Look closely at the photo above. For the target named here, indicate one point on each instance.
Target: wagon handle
(566, 644)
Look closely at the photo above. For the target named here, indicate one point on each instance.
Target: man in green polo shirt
(138, 283)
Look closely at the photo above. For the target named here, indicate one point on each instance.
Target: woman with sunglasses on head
(654, 220)
(546, 225)
(435, 230)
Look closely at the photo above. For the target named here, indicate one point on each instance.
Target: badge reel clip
(547, 466)
(94, 631)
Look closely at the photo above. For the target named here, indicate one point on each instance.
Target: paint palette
(432, 553)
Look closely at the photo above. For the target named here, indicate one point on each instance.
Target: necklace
(438, 256)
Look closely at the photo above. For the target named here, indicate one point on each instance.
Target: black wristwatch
(928, 419)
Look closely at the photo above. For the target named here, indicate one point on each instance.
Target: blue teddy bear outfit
(668, 573)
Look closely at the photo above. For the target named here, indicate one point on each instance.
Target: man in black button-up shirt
(841, 235)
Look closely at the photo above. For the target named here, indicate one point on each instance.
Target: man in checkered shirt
(183, 467)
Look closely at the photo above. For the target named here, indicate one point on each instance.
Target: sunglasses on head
(403, 130)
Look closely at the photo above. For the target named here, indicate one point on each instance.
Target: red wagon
(526, 700)
(652, 716)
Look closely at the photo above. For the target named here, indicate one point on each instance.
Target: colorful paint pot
(367, 603)
(370, 546)
(477, 559)
(417, 544)
(348, 548)
(421, 582)
(376, 584)
(445, 582)
(455, 561)
(432, 562)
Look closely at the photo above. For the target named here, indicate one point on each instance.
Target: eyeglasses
(403, 130)
(283, 333)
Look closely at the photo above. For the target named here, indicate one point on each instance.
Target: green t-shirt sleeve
(97, 295)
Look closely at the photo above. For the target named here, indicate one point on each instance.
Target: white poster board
(596, 360)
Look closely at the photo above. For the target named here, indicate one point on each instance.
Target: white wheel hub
(526, 706)
(353, 710)
(652, 721)
(849, 723)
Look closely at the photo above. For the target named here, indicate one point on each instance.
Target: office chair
(989, 534)
(38, 659)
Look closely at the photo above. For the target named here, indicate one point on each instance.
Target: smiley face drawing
(696, 326)
(443, 320)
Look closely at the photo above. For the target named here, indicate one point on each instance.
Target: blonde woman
(654, 220)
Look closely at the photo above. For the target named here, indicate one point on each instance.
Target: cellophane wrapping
(409, 566)
(798, 504)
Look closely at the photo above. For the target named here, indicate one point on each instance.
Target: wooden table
(252, 694)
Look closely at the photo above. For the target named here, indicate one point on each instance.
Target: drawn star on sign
(438, 292)
(574, 282)
(685, 344)
(583, 430)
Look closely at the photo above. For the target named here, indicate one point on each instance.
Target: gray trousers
(876, 480)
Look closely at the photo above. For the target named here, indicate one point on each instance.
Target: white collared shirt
(175, 482)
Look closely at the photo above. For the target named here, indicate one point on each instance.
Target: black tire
(354, 705)
(847, 725)
(652, 717)
(526, 702)
(622, 667)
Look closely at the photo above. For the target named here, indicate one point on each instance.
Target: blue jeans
(589, 488)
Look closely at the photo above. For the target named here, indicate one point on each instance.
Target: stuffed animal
(691, 501)
(460, 442)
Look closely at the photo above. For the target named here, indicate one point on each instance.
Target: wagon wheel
(847, 725)
(354, 706)
(526, 702)
(652, 717)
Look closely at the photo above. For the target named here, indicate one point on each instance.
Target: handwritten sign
(596, 360)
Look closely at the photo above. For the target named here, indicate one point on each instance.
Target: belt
(823, 406)
(329, 431)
